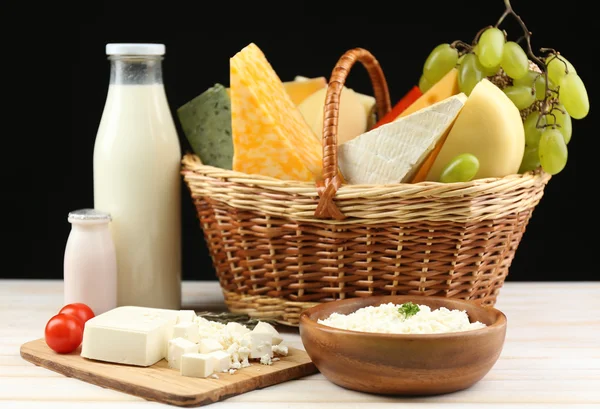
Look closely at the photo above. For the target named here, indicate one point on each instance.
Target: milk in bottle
(136, 177)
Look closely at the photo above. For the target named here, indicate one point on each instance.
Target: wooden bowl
(403, 364)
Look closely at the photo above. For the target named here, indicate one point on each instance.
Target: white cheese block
(221, 361)
(186, 316)
(266, 327)
(197, 365)
(207, 345)
(188, 330)
(129, 335)
(177, 348)
(237, 330)
(393, 152)
(259, 344)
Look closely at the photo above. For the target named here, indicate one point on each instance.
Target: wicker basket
(279, 247)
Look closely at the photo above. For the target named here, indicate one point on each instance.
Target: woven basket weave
(279, 247)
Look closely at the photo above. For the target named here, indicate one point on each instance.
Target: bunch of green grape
(551, 100)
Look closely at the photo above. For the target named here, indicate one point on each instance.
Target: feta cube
(177, 348)
(206, 345)
(186, 316)
(236, 329)
(222, 361)
(243, 353)
(197, 365)
(202, 322)
(266, 327)
(187, 330)
(259, 344)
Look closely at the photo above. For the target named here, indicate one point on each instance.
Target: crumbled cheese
(387, 318)
(231, 346)
(280, 349)
(266, 360)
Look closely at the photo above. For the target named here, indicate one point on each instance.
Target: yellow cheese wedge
(300, 88)
(490, 127)
(270, 136)
(444, 88)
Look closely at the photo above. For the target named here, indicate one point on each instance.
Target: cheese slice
(129, 335)
(270, 136)
(392, 152)
(489, 127)
(444, 88)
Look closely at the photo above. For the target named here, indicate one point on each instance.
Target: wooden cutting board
(163, 384)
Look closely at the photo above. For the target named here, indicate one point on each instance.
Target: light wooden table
(551, 357)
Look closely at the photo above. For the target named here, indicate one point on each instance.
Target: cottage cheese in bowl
(407, 318)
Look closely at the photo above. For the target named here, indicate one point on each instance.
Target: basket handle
(327, 188)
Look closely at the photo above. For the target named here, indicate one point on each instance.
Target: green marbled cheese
(206, 123)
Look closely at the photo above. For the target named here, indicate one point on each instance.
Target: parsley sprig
(408, 309)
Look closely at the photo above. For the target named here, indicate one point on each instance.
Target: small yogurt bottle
(90, 263)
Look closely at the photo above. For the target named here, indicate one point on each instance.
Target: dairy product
(268, 328)
(188, 330)
(270, 136)
(489, 127)
(137, 179)
(388, 319)
(444, 88)
(90, 262)
(143, 336)
(129, 335)
(352, 118)
(197, 365)
(393, 152)
(221, 360)
(177, 348)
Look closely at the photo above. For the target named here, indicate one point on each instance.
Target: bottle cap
(89, 215)
(135, 49)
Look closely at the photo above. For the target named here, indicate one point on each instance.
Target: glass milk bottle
(90, 264)
(137, 177)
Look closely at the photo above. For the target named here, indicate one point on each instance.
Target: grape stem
(546, 106)
(527, 34)
(465, 47)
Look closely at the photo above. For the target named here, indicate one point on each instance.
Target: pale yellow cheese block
(352, 117)
(300, 90)
(490, 127)
(270, 136)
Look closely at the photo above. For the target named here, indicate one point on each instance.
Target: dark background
(303, 39)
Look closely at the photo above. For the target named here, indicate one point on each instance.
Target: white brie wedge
(393, 152)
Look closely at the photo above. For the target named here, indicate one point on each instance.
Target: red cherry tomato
(79, 310)
(64, 333)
